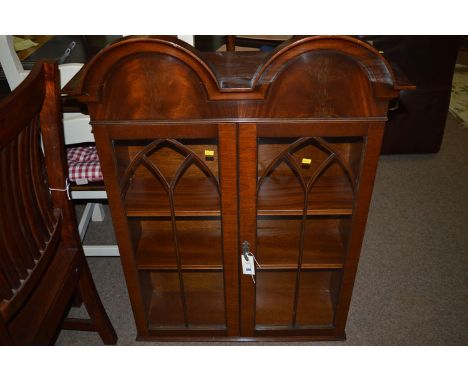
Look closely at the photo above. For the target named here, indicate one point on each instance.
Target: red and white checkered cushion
(83, 164)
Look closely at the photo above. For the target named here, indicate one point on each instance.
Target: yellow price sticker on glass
(306, 161)
(209, 153)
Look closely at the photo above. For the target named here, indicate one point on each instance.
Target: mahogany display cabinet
(209, 158)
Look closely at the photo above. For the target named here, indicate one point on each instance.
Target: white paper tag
(248, 266)
(81, 181)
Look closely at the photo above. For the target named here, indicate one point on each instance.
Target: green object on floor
(23, 44)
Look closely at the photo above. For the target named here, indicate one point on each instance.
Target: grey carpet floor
(412, 282)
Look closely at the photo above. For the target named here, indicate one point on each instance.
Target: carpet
(459, 97)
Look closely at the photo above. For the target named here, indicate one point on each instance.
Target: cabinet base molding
(275, 338)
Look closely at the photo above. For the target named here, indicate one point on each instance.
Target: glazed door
(173, 195)
(297, 189)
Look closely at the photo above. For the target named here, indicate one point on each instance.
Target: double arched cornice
(373, 64)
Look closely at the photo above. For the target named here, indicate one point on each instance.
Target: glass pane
(153, 241)
(200, 242)
(325, 241)
(203, 298)
(279, 186)
(280, 192)
(196, 193)
(278, 241)
(151, 172)
(274, 298)
(204, 294)
(326, 167)
(318, 291)
(161, 292)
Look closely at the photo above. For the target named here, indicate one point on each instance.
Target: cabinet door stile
(229, 214)
(247, 144)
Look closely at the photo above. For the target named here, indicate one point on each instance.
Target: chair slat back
(30, 222)
(42, 263)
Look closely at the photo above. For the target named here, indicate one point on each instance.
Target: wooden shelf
(198, 197)
(275, 293)
(204, 292)
(321, 303)
(192, 197)
(278, 244)
(330, 195)
(315, 262)
(199, 244)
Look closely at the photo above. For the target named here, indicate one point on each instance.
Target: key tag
(248, 264)
(248, 260)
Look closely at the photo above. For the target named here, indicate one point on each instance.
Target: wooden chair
(77, 131)
(42, 264)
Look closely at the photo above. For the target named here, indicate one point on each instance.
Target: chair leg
(94, 306)
(85, 218)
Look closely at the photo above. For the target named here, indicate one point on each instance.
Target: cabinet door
(297, 196)
(173, 194)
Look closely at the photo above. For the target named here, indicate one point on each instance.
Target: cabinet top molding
(328, 75)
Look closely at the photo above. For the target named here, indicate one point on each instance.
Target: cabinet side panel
(108, 161)
(361, 208)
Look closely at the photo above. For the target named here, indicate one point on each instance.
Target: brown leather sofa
(417, 123)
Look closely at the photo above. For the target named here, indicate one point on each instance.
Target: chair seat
(83, 165)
